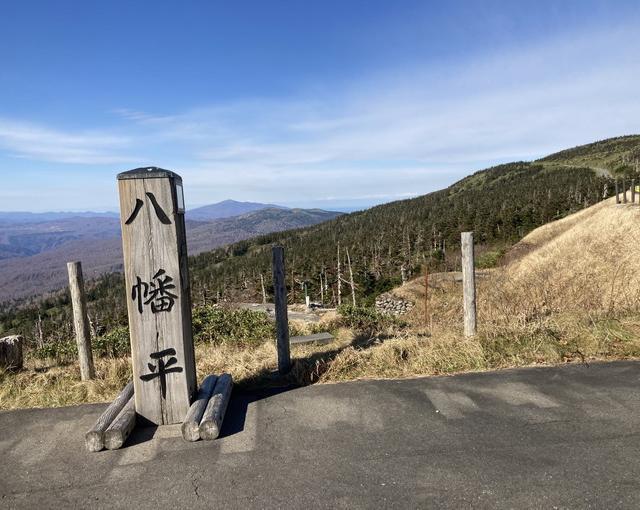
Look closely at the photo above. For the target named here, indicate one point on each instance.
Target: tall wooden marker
(158, 294)
(468, 284)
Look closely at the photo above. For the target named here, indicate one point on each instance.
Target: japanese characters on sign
(162, 368)
(156, 293)
(162, 216)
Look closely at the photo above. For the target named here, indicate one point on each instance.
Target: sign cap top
(148, 172)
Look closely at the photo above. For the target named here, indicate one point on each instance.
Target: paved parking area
(565, 437)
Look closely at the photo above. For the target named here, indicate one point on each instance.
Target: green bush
(242, 327)
(490, 259)
(366, 319)
(60, 351)
(115, 343)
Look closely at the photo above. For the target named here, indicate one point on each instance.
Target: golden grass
(570, 292)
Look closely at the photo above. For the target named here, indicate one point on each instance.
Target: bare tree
(353, 287)
(264, 293)
(339, 279)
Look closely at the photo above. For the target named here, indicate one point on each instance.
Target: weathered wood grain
(11, 355)
(120, 428)
(468, 284)
(94, 438)
(191, 424)
(216, 408)
(154, 240)
(81, 321)
(280, 302)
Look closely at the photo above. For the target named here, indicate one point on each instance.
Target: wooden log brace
(121, 427)
(216, 408)
(94, 439)
(191, 424)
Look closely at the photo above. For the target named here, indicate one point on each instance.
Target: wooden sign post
(158, 295)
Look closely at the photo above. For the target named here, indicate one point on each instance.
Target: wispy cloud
(25, 140)
(402, 132)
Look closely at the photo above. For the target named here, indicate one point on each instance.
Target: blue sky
(315, 104)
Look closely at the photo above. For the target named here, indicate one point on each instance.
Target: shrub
(60, 351)
(242, 327)
(490, 259)
(115, 343)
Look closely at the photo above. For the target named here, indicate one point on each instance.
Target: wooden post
(624, 191)
(468, 284)
(633, 191)
(81, 321)
(426, 297)
(158, 293)
(280, 300)
(617, 193)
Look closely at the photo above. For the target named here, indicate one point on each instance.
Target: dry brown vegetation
(570, 291)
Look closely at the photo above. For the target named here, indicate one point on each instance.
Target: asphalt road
(566, 437)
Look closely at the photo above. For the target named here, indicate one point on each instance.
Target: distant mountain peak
(227, 209)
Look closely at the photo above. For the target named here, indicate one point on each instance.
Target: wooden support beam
(624, 191)
(633, 191)
(119, 430)
(81, 321)
(216, 408)
(617, 193)
(468, 284)
(280, 301)
(94, 439)
(191, 424)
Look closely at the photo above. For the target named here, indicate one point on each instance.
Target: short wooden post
(158, 293)
(280, 301)
(468, 284)
(81, 321)
(633, 191)
(617, 193)
(426, 297)
(624, 191)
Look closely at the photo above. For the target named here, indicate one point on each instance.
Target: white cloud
(26, 140)
(408, 130)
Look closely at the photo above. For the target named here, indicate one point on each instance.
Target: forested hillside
(380, 245)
